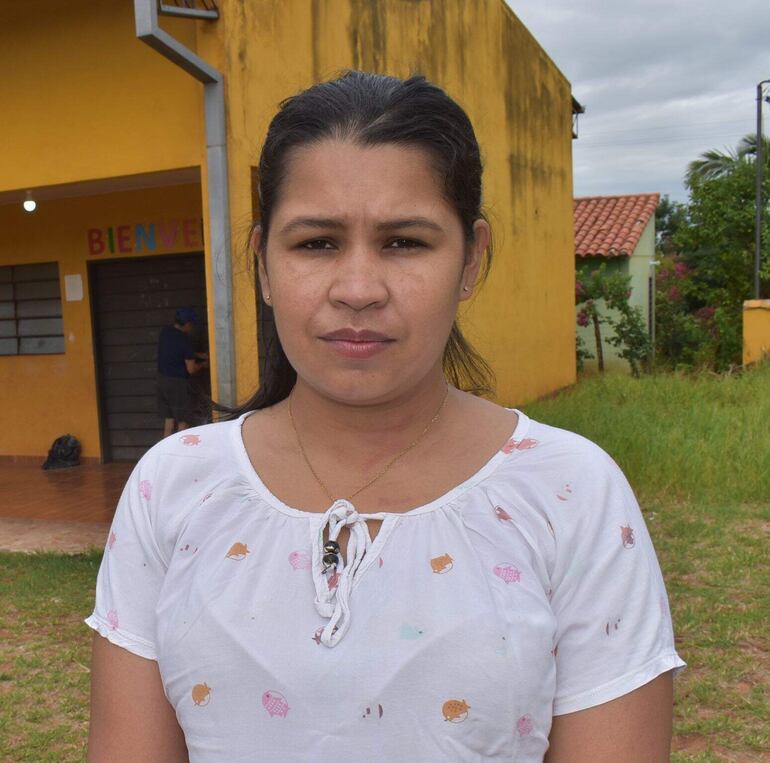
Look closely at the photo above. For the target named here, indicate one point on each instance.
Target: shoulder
(552, 468)
(177, 475)
(182, 466)
(192, 450)
(550, 447)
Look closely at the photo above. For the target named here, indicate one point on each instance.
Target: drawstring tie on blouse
(333, 601)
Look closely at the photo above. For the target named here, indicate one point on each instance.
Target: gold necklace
(387, 466)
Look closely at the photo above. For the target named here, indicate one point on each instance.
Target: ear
(254, 244)
(481, 238)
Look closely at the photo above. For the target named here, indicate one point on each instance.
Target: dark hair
(186, 315)
(373, 109)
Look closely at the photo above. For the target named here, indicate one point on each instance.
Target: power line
(670, 127)
(653, 141)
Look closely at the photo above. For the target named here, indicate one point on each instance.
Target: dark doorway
(131, 300)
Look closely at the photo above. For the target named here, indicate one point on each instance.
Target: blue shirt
(174, 347)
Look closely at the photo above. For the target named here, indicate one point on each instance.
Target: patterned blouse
(530, 590)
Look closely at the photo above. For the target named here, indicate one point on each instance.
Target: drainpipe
(148, 31)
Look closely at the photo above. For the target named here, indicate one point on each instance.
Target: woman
(368, 563)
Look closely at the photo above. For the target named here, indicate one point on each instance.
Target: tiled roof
(610, 226)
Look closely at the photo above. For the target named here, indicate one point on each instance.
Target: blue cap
(186, 315)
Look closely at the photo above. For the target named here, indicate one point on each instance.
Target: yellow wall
(44, 396)
(520, 105)
(756, 330)
(82, 98)
(89, 102)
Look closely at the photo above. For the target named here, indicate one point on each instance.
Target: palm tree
(748, 146)
(715, 164)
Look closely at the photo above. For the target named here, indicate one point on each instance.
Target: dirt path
(28, 535)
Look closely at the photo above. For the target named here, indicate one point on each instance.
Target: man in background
(177, 362)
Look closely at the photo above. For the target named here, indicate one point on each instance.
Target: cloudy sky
(662, 81)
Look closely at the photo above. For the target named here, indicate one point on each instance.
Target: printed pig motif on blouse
(442, 564)
(627, 536)
(525, 725)
(526, 444)
(201, 694)
(238, 551)
(300, 560)
(275, 704)
(190, 439)
(455, 710)
(507, 572)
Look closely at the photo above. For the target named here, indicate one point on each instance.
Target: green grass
(691, 437)
(44, 655)
(697, 451)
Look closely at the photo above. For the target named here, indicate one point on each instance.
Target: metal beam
(148, 31)
(188, 13)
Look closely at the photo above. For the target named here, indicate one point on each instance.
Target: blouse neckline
(247, 469)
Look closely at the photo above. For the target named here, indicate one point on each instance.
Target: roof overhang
(100, 186)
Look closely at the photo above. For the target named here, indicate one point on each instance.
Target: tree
(669, 217)
(715, 164)
(708, 252)
(626, 323)
(717, 238)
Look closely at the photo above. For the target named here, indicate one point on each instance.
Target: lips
(351, 335)
(356, 344)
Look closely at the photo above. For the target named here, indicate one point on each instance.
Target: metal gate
(131, 300)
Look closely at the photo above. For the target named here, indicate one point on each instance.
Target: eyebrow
(301, 223)
(409, 222)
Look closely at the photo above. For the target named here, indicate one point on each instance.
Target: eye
(404, 243)
(317, 243)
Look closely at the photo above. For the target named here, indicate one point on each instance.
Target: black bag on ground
(64, 452)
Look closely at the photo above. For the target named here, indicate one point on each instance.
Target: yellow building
(136, 134)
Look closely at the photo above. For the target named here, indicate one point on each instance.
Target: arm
(634, 728)
(131, 719)
(194, 365)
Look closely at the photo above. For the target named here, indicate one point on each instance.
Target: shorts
(174, 398)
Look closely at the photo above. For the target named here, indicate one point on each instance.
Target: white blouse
(530, 590)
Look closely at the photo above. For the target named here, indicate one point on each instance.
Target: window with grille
(30, 310)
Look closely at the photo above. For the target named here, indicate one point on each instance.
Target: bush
(697, 324)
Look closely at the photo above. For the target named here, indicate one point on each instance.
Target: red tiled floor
(59, 510)
(80, 494)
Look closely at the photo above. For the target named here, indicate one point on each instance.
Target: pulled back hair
(369, 110)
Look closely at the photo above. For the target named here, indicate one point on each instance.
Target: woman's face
(365, 265)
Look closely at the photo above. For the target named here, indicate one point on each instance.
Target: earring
(466, 288)
(267, 297)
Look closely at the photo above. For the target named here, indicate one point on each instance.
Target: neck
(370, 428)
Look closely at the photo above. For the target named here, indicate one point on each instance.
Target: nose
(359, 280)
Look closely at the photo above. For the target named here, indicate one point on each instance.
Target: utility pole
(758, 212)
(653, 281)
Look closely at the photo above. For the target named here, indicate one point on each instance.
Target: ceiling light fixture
(29, 203)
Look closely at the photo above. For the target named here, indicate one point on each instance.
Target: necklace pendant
(329, 560)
